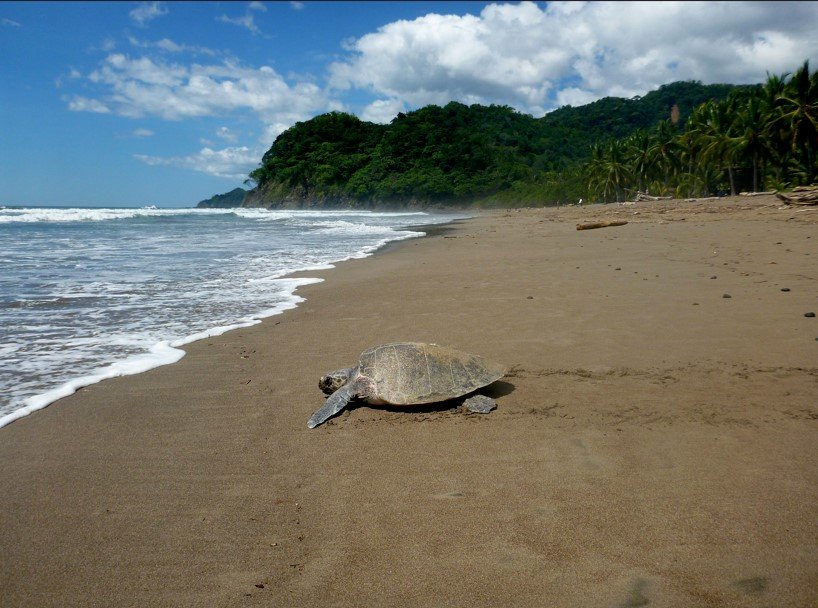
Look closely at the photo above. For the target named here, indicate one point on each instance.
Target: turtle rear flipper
(480, 404)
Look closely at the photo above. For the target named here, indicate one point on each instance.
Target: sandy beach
(654, 442)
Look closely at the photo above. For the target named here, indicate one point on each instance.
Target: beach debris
(592, 225)
(405, 374)
(727, 296)
(801, 195)
(641, 196)
(811, 315)
(767, 193)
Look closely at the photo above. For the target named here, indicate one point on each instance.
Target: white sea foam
(86, 214)
(83, 214)
(161, 353)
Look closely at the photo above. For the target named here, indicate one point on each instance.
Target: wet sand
(654, 443)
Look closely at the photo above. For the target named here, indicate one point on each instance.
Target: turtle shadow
(493, 390)
(497, 389)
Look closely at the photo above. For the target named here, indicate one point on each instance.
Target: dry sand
(656, 443)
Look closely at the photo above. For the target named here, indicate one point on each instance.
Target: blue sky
(136, 103)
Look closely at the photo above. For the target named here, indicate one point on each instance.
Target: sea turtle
(408, 373)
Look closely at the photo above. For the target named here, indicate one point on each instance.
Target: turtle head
(331, 382)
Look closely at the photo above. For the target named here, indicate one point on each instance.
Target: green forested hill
(456, 154)
(234, 198)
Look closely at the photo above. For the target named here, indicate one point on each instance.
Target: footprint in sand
(588, 461)
(637, 594)
(448, 495)
(755, 585)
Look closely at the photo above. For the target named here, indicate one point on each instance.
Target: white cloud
(297, 5)
(257, 6)
(382, 110)
(246, 21)
(538, 57)
(142, 133)
(73, 74)
(10, 22)
(230, 163)
(83, 104)
(573, 96)
(169, 46)
(148, 11)
(143, 86)
(226, 134)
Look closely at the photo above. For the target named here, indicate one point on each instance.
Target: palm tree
(616, 171)
(689, 150)
(607, 171)
(693, 143)
(639, 157)
(665, 150)
(594, 170)
(751, 134)
(719, 145)
(799, 112)
(776, 130)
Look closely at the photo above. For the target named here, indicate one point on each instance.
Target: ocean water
(88, 294)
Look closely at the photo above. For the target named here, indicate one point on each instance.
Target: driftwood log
(641, 196)
(802, 195)
(592, 225)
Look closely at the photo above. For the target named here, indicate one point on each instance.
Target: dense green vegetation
(494, 155)
(761, 138)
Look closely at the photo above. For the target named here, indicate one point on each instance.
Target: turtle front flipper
(335, 403)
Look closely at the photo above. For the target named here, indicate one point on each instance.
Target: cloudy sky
(168, 103)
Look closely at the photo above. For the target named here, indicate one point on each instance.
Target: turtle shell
(407, 373)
